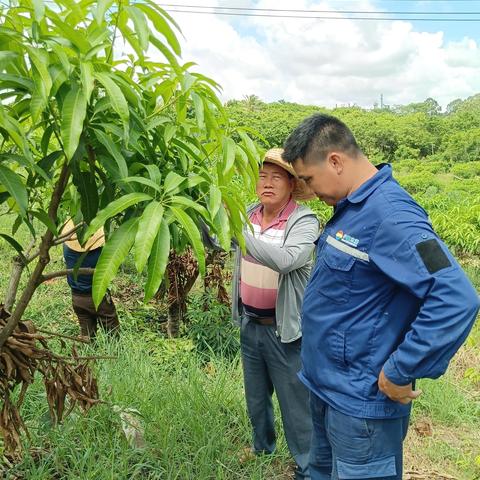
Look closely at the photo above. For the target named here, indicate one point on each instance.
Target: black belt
(266, 321)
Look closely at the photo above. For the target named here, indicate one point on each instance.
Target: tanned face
(325, 177)
(274, 186)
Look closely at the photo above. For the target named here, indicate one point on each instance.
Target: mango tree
(101, 121)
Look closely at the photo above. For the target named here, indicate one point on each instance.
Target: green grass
(194, 412)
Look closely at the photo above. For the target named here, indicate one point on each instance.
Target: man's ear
(336, 162)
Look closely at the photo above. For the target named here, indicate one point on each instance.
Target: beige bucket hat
(301, 190)
(97, 240)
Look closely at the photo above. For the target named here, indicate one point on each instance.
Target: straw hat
(97, 240)
(301, 190)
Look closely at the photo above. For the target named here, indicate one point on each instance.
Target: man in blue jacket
(386, 304)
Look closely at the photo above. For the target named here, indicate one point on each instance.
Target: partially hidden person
(89, 317)
(268, 287)
(387, 304)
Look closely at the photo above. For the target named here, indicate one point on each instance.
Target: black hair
(319, 133)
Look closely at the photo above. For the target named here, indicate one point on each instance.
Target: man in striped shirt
(268, 285)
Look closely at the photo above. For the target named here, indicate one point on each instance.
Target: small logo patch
(349, 240)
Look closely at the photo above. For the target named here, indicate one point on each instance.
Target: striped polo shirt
(258, 283)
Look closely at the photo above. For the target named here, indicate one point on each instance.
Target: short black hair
(321, 133)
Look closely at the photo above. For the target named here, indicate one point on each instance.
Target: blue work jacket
(385, 292)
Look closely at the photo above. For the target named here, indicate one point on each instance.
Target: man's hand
(398, 393)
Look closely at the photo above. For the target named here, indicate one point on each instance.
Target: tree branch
(66, 236)
(64, 273)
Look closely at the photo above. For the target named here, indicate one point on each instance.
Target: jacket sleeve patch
(432, 255)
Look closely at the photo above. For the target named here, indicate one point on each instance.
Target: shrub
(210, 327)
(466, 169)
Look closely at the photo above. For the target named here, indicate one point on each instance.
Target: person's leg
(283, 363)
(107, 315)
(82, 306)
(366, 448)
(320, 450)
(258, 389)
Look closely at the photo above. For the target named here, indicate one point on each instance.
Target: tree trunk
(43, 260)
(14, 281)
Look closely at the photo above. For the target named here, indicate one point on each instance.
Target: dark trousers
(90, 318)
(345, 447)
(270, 365)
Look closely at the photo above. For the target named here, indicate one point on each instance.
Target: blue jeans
(270, 365)
(350, 448)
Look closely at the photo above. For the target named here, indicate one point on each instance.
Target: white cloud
(328, 62)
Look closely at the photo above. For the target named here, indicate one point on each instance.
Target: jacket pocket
(335, 275)
(339, 348)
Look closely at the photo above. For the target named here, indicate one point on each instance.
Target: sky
(336, 62)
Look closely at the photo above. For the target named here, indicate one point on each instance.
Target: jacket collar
(366, 189)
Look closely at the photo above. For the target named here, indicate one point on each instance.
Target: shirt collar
(282, 217)
(366, 189)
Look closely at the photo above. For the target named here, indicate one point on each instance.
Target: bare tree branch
(64, 273)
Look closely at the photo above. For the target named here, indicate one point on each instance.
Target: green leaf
(45, 142)
(194, 180)
(88, 190)
(199, 109)
(14, 185)
(162, 26)
(113, 254)
(143, 181)
(60, 52)
(166, 53)
(229, 149)
(9, 80)
(129, 35)
(17, 247)
(168, 133)
(7, 57)
(157, 261)
(187, 202)
(222, 227)
(38, 103)
(193, 234)
(73, 115)
(215, 200)
(39, 59)
(148, 227)
(141, 26)
(46, 220)
(113, 209)
(172, 182)
(38, 9)
(114, 151)
(14, 129)
(117, 99)
(76, 37)
(102, 7)
(86, 76)
(154, 173)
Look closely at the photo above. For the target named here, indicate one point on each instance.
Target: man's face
(324, 178)
(274, 185)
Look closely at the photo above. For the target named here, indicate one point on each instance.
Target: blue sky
(454, 31)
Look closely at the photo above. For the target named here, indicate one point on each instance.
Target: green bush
(210, 327)
(418, 182)
(466, 169)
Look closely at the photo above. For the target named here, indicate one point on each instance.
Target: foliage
(434, 156)
(142, 139)
(210, 327)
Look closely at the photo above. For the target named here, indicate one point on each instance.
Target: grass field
(193, 412)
